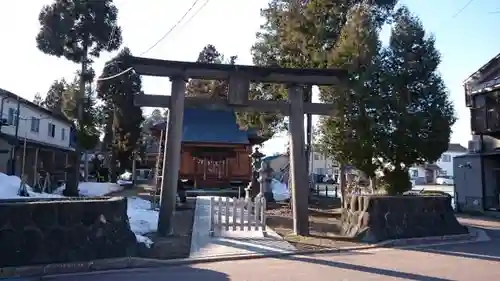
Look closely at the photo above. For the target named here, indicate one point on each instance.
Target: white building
(278, 162)
(47, 135)
(322, 165)
(442, 167)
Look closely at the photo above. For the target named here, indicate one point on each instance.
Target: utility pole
(16, 140)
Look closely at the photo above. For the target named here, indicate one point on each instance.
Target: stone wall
(375, 218)
(41, 231)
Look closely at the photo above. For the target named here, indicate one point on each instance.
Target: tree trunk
(72, 186)
(113, 169)
(373, 184)
(342, 180)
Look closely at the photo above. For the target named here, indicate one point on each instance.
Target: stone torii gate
(239, 77)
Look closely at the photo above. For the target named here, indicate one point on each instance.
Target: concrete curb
(142, 264)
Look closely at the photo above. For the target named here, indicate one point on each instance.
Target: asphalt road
(472, 261)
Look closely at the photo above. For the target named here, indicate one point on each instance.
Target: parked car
(445, 180)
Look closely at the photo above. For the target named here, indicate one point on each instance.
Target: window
(320, 171)
(13, 117)
(51, 130)
(316, 156)
(35, 124)
(63, 134)
(414, 173)
(446, 158)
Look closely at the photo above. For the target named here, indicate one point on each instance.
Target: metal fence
(325, 189)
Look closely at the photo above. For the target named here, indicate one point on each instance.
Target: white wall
(446, 161)
(320, 164)
(25, 116)
(417, 172)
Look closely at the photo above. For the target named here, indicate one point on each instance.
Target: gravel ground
(324, 224)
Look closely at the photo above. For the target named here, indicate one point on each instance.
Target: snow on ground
(9, 187)
(94, 189)
(141, 218)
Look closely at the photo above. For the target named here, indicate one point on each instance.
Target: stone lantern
(253, 186)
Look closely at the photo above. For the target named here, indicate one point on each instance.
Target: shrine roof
(210, 126)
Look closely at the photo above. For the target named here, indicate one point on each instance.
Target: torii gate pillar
(172, 157)
(298, 168)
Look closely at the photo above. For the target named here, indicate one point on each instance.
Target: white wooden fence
(238, 214)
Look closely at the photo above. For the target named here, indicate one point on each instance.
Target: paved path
(230, 243)
(473, 261)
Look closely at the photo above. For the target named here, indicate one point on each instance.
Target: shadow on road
(184, 273)
(367, 269)
(342, 265)
(489, 251)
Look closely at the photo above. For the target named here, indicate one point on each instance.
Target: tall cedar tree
(418, 124)
(306, 34)
(118, 94)
(351, 136)
(54, 98)
(78, 30)
(88, 133)
(302, 34)
(214, 89)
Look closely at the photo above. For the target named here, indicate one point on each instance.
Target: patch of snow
(123, 182)
(280, 190)
(94, 189)
(9, 188)
(142, 219)
(127, 176)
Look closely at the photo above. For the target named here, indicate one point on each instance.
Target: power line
(195, 13)
(172, 28)
(462, 9)
(116, 75)
(163, 37)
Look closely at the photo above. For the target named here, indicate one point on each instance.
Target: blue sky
(466, 41)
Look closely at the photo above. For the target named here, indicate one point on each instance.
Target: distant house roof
(272, 157)
(456, 147)
(35, 106)
(210, 126)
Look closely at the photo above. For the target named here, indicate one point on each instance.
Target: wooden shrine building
(215, 152)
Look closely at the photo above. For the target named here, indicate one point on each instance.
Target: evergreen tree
(303, 34)
(210, 88)
(37, 99)
(118, 93)
(418, 124)
(88, 132)
(54, 98)
(78, 30)
(352, 135)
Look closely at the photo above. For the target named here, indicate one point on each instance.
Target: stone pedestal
(372, 218)
(54, 230)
